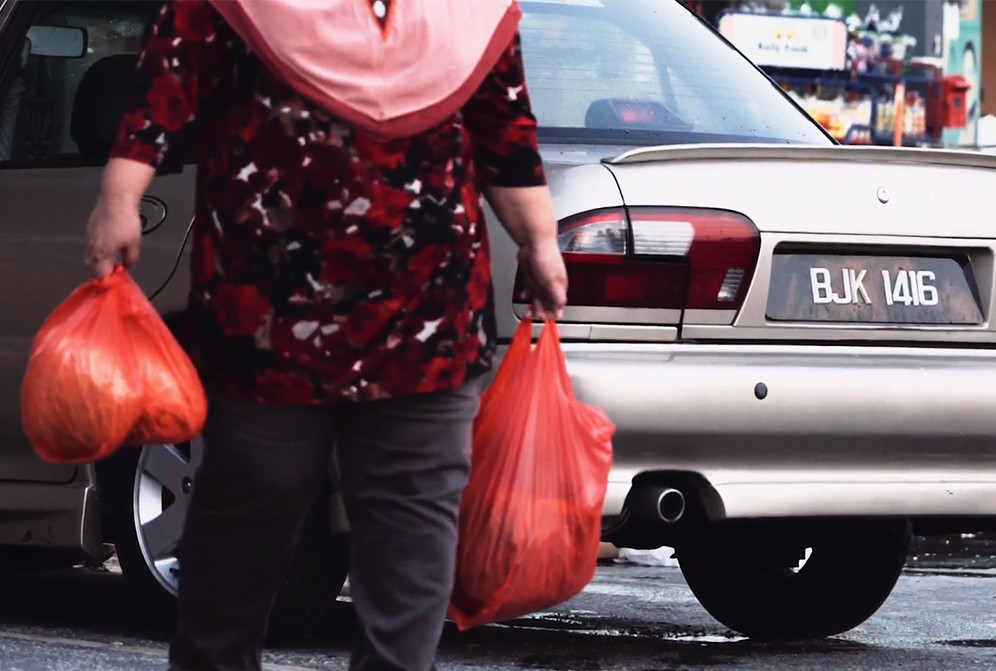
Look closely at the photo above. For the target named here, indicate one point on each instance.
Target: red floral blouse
(326, 266)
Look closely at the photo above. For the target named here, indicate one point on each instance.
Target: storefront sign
(773, 40)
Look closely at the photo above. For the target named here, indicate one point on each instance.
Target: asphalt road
(942, 616)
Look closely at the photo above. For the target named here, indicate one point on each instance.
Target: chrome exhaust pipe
(660, 504)
(671, 505)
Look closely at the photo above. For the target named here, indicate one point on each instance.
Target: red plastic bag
(105, 371)
(175, 403)
(531, 515)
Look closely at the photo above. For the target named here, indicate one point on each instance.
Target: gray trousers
(403, 464)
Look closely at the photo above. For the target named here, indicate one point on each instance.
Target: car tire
(750, 578)
(133, 493)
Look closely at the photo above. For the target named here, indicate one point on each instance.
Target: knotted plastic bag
(530, 517)
(175, 404)
(105, 371)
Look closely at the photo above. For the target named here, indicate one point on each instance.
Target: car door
(57, 112)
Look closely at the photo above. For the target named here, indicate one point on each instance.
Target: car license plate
(872, 289)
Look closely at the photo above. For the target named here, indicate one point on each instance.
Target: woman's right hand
(114, 231)
(114, 235)
(528, 216)
(545, 276)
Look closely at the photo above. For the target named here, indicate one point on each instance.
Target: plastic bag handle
(547, 354)
(516, 357)
(549, 346)
(519, 350)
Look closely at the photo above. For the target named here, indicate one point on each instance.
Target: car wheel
(795, 580)
(146, 492)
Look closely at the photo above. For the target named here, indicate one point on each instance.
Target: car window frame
(16, 17)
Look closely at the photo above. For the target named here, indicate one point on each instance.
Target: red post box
(956, 101)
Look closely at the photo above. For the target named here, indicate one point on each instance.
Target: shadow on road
(99, 605)
(668, 648)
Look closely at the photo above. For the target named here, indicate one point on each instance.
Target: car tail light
(680, 258)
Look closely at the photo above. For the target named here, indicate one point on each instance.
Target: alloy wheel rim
(164, 481)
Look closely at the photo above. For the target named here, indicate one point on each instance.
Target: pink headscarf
(389, 82)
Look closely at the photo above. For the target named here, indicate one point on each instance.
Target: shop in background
(858, 76)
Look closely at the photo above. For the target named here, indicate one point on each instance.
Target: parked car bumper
(53, 516)
(798, 431)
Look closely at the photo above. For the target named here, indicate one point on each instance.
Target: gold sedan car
(794, 338)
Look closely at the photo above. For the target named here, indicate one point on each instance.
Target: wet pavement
(941, 616)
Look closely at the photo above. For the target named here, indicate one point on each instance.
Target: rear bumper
(786, 431)
(52, 516)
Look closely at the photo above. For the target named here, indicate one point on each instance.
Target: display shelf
(866, 103)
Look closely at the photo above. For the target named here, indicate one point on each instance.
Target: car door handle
(152, 213)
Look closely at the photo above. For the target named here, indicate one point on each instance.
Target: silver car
(794, 338)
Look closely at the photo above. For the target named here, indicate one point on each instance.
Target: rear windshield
(647, 72)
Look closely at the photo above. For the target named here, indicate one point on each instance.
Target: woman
(340, 286)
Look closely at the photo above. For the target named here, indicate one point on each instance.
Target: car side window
(61, 100)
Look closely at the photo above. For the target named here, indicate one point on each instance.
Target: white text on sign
(904, 287)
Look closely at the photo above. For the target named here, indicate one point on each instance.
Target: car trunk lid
(820, 190)
(853, 244)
